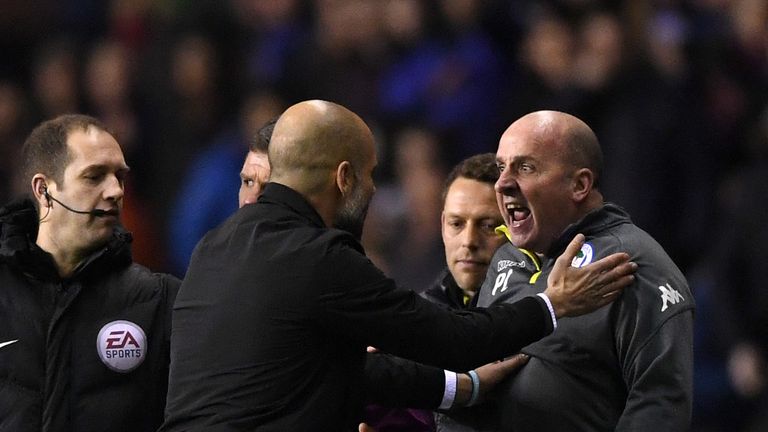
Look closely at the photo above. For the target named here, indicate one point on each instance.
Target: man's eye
(248, 182)
(526, 168)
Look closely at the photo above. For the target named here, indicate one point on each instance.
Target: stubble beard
(351, 216)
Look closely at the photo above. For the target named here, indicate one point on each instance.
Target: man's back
(261, 264)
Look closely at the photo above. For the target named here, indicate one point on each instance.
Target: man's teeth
(518, 213)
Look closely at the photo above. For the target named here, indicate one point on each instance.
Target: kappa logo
(669, 294)
(584, 256)
(10, 342)
(505, 264)
(122, 346)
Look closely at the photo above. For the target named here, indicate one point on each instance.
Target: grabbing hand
(493, 373)
(577, 291)
(488, 376)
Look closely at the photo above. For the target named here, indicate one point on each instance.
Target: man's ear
(582, 183)
(345, 178)
(40, 190)
(442, 223)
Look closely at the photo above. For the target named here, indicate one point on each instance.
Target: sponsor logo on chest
(505, 264)
(122, 345)
(584, 256)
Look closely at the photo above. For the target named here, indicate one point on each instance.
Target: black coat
(272, 320)
(55, 332)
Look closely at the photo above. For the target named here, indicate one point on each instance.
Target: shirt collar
(283, 195)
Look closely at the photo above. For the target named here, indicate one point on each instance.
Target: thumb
(573, 250)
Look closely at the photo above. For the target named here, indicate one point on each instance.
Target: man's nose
(505, 183)
(114, 189)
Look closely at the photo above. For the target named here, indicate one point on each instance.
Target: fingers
(616, 280)
(615, 272)
(573, 249)
(493, 373)
(514, 362)
(611, 290)
(612, 261)
(576, 291)
(626, 268)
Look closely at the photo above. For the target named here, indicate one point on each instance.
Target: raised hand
(577, 291)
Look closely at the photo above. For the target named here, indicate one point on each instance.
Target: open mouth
(518, 214)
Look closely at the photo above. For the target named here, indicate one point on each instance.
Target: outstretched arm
(397, 382)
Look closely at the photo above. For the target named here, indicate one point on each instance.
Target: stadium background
(675, 90)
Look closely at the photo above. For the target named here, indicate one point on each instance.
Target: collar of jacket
(279, 194)
(535, 259)
(18, 231)
(458, 298)
(596, 221)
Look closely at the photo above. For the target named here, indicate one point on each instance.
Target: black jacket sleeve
(401, 383)
(660, 380)
(360, 303)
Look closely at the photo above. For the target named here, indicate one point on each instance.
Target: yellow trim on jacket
(502, 229)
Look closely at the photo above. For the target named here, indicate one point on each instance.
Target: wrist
(475, 388)
(550, 308)
(463, 390)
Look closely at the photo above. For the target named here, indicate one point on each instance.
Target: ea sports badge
(122, 346)
(584, 256)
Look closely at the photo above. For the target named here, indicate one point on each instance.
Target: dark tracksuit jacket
(625, 367)
(86, 353)
(445, 292)
(273, 317)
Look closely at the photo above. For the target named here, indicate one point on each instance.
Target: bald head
(311, 139)
(567, 136)
(326, 153)
(549, 164)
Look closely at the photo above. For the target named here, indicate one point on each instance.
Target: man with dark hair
(279, 303)
(84, 331)
(255, 172)
(626, 366)
(469, 220)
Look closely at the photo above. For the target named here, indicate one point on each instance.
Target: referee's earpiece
(44, 191)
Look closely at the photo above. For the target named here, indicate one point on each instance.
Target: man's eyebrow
(104, 167)
(523, 158)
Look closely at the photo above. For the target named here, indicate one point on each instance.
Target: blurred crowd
(676, 90)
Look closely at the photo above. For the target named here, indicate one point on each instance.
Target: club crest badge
(122, 346)
(584, 256)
